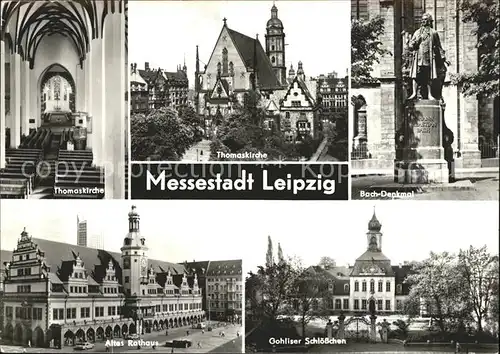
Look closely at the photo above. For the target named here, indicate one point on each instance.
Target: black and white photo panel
(239, 80)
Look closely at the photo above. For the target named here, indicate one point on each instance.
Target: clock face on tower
(144, 266)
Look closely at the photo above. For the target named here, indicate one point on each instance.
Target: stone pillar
(25, 98)
(15, 100)
(98, 89)
(341, 332)
(2, 105)
(87, 65)
(114, 131)
(373, 328)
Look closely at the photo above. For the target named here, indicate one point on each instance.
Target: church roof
(246, 47)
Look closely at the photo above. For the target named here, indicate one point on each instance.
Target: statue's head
(427, 20)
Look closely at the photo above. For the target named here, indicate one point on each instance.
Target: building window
(380, 286)
(8, 311)
(99, 311)
(70, 313)
(388, 305)
(296, 104)
(338, 304)
(379, 305)
(399, 289)
(85, 312)
(372, 286)
(363, 286)
(37, 313)
(356, 286)
(58, 314)
(346, 304)
(363, 304)
(388, 286)
(111, 310)
(20, 272)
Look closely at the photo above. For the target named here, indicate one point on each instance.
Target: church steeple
(133, 220)
(275, 45)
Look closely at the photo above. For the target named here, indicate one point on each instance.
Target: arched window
(372, 286)
(224, 62)
(273, 60)
(346, 288)
(272, 47)
(231, 69)
(363, 286)
(218, 69)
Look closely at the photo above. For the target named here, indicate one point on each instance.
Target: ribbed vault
(26, 23)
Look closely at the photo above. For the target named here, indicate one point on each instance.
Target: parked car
(132, 336)
(83, 346)
(182, 343)
(200, 325)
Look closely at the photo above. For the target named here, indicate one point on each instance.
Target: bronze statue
(429, 58)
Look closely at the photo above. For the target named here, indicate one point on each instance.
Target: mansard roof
(179, 76)
(225, 268)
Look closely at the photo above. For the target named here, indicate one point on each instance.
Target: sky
(179, 231)
(163, 32)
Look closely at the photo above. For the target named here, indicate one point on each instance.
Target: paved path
(484, 189)
(198, 152)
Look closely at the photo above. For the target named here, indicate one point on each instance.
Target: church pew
(19, 177)
(14, 187)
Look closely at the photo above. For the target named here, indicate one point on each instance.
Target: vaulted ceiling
(25, 23)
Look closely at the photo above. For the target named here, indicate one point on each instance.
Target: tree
(479, 269)
(310, 297)
(269, 254)
(438, 282)
(277, 282)
(484, 14)
(327, 262)
(188, 116)
(366, 48)
(159, 136)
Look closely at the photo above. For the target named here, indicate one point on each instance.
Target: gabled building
(57, 293)
(298, 109)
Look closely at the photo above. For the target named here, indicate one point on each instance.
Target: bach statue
(429, 61)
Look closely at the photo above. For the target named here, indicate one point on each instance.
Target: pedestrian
(29, 343)
(107, 346)
(202, 331)
(187, 333)
(238, 334)
(166, 332)
(223, 334)
(199, 344)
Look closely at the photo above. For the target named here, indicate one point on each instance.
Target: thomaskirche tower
(275, 45)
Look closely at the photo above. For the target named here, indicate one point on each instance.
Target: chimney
(146, 66)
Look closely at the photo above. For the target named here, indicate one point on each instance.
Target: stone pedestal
(422, 157)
